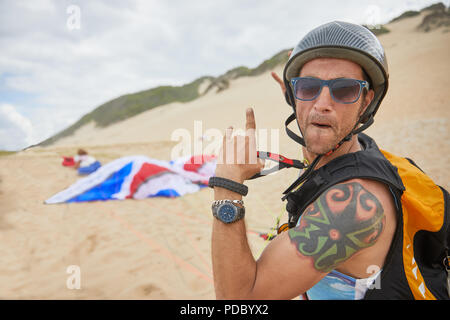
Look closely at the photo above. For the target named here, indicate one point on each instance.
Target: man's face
(323, 121)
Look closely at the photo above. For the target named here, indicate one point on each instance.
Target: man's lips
(321, 125)
(321, 122)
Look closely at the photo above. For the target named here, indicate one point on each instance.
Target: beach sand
(159, 248)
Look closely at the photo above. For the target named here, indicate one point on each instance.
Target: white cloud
(37, 6)
(16, 131)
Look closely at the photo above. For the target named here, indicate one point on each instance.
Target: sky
(61, 59)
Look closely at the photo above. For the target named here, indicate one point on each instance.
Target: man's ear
(368, 97)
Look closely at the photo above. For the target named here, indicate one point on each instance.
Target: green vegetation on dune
(280, 58)
(129, 105)
(437, 16)
(378, 30)
(6, 153)
(435, 7)
(222, 82)
(132, 104)
(407, 14)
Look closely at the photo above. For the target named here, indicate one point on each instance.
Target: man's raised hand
(278, 79)
(238, 156)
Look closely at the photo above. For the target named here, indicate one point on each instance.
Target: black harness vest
(429, 247)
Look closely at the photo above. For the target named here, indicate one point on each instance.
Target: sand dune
(160, 248)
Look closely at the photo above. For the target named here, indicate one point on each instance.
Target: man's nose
(324, 101)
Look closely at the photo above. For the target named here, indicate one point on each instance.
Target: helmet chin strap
(302, 142)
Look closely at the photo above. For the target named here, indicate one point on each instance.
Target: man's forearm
(234, 267)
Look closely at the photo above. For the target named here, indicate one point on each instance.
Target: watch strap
(228, 184)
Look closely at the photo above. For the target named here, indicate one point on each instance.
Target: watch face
(227, 212)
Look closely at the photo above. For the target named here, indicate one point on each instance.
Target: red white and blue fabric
(140, 177)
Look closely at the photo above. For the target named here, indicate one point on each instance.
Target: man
(342, 221)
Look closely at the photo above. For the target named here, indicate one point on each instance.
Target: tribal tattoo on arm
(343, 220)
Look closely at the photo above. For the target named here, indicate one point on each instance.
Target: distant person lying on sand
(85, 163)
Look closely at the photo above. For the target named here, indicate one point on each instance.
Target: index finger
(250, 119)
(277, 78)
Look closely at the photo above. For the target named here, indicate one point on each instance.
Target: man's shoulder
(377, 188)
(357, 190)
(367, 197)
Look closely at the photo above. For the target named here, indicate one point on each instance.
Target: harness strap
(282, 162)
(291, 133)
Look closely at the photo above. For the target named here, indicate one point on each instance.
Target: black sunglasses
(342, 90)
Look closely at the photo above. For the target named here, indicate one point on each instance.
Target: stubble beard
(320, 144)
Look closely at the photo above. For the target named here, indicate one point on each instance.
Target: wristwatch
(228, 211)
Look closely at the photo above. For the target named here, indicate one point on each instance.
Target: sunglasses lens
(307, 88)
(345, 90)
